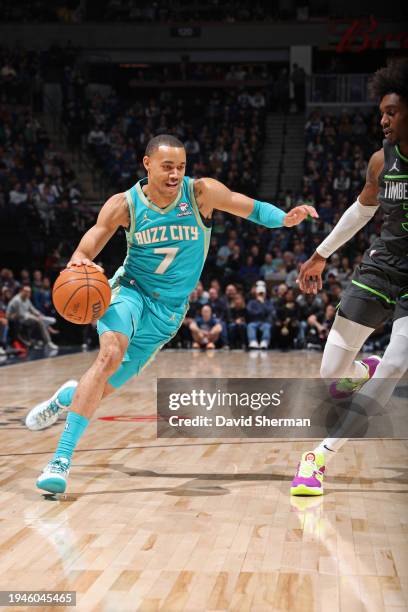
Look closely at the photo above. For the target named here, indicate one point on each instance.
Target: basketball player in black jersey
(379, 286)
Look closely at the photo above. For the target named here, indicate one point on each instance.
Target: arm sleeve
(355, 217)
(267, 214)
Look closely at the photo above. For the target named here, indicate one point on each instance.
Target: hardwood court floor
(196, 525)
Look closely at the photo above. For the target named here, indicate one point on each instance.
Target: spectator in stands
(234, 264)
(36, 286)
(202, 295)
(268, 268)
(194, 307)
(193, 312)
(249, 271)
(24, 277)
(21, 311)
(287, 320)
(192, 147)
(341, 182)
(17, 195)
(217, 305)
(224, 253)
(42, 300)
(257, 100)
(8, 281)
(206, 329)
(237, 319)
(97, 137)
(260, 316)
(316, 147)
(319, 326)
(230, 294)
(345, 270)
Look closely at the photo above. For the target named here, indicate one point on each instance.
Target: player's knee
(110, 357)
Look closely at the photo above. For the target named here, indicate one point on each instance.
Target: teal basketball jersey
(167, 247)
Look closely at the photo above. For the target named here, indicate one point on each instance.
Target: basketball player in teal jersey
(378, 289)
(167, 217)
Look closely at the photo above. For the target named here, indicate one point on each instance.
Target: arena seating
(43, 215)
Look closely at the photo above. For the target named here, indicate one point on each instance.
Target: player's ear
(146, 162)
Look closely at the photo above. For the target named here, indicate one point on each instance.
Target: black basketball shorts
(378, 289)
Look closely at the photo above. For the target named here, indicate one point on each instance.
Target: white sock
(358, 370)
(329, 447)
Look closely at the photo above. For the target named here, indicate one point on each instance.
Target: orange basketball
(81, 294)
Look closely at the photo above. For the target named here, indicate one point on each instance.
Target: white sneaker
(264, 344)
(54, 476)
(46, 413)
(253, 344)
(52, 345)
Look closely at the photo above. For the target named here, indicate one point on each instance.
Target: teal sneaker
(46, 413)
(54, 476)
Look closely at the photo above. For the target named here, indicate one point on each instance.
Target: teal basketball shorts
(148, 325)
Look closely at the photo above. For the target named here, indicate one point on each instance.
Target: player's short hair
(163, 139)
(393, 78)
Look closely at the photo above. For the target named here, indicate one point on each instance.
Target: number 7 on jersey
(169, 253)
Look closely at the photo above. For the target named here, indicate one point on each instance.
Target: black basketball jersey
(393, 196)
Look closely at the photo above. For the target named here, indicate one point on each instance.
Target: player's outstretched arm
(211, 194)
(113, 214)
(355, 217)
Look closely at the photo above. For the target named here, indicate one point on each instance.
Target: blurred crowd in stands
(40, 199)
(223, 129)
(41, 11)
(42, 213)
(157, 11)
(199, 72)
(164, 11)
(223, 135)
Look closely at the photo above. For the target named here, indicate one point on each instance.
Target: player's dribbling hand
(310, 274)
(298, 214)
(83, 261)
